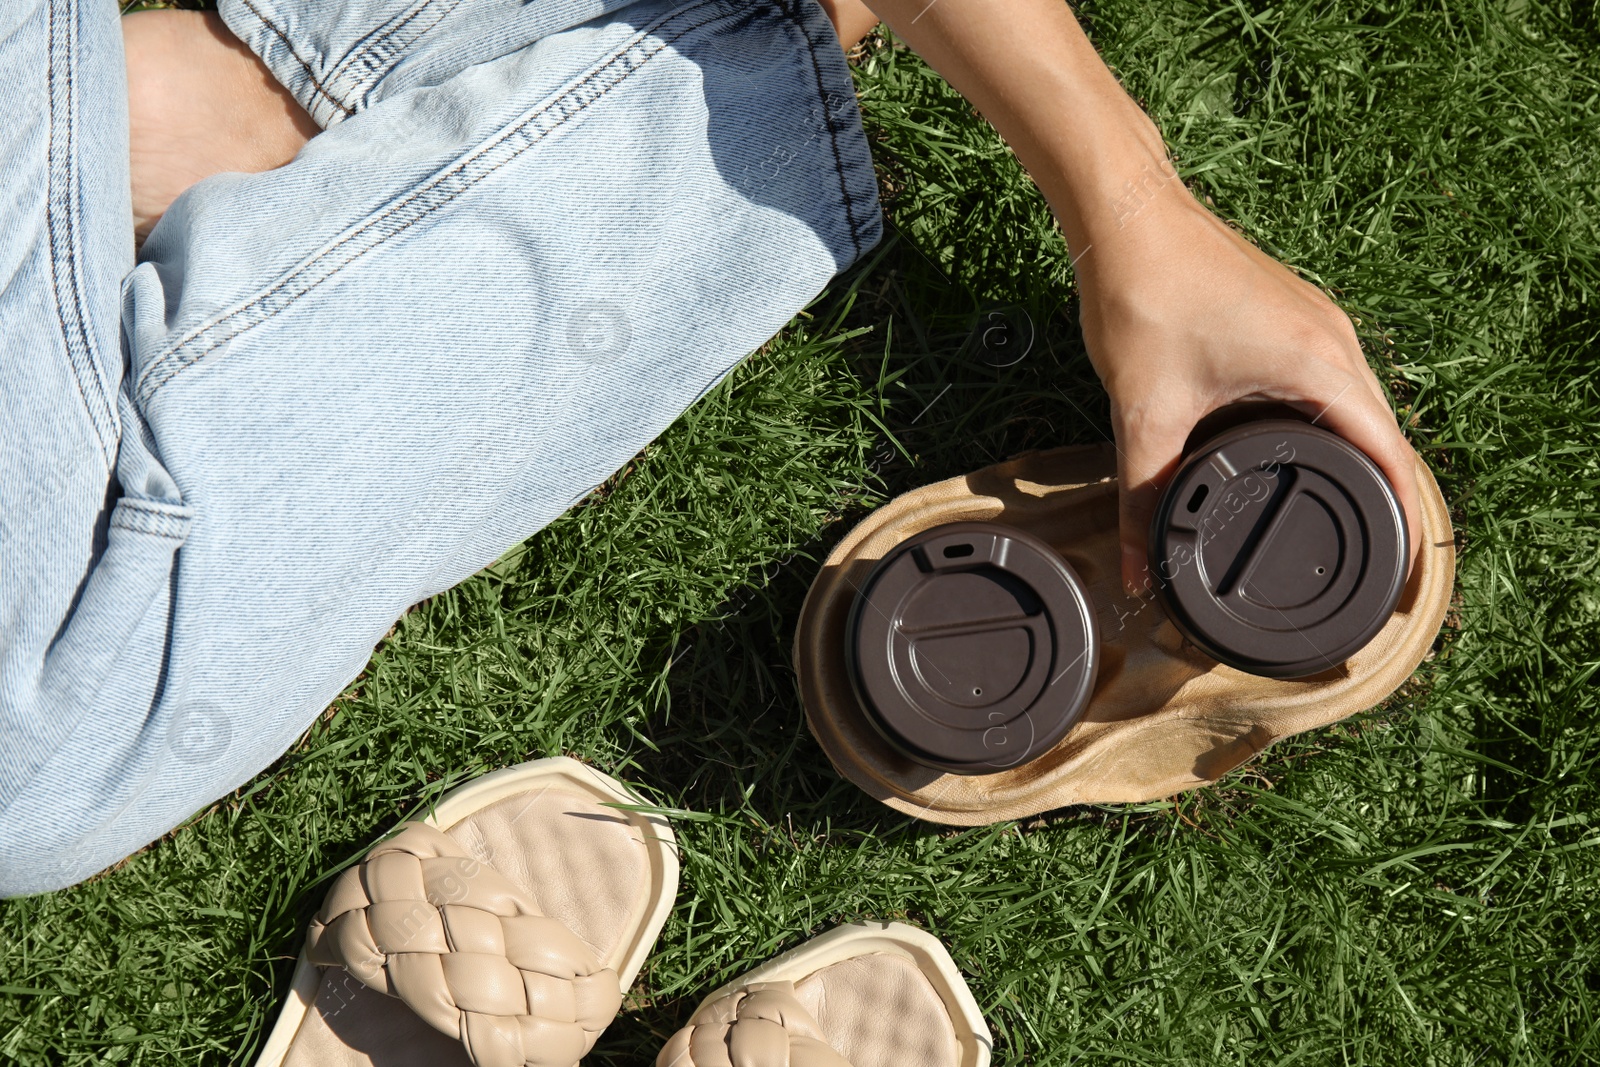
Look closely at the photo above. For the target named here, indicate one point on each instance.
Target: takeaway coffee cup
(1278, 548)
(972, 647)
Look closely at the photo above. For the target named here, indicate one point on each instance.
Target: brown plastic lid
(1279, 548)
(972, 647)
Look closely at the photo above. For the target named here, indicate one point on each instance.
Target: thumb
(1149, 446)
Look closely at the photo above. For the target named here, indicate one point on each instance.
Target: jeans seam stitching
(792, 11)
(63, 256)
(135, 516)
(373, 40)
(148, 530)
(133, 503)
(311, 74)
(175, 360)
(374, 62)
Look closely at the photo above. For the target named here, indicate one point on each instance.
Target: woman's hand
(1182, 316)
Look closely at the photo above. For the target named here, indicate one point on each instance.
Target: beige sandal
(504, 929)
(862, 995)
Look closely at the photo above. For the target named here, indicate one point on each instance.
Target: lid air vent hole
(1199, 497)
(977, 692)
(1322, 570)
(957, 551)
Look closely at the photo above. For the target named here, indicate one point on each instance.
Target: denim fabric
(531, 234)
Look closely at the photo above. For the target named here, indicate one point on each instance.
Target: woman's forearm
(1028, 68)
(1180, 315)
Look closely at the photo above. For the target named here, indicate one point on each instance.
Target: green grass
(1418, 886)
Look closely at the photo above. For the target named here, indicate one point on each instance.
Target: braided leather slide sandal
(861, 995)
(500, 931)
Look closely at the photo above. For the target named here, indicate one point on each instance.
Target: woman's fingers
(1366, 422)
(1358, 410)
(1149, 446)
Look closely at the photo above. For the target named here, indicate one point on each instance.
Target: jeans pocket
(80, 669)
(142, 539)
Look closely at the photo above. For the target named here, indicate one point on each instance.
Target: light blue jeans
(531, 234)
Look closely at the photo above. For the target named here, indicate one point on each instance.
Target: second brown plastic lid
(972, 647)
(1279, 548)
